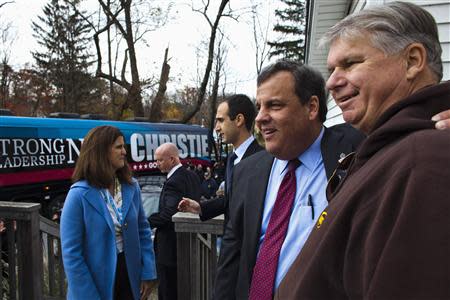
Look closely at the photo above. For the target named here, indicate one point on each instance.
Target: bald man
(180, 183)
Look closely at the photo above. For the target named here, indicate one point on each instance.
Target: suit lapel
(95, 199)
(176, 173)
(331, 150)
(161, 196)
(254, 147)
(256, 194)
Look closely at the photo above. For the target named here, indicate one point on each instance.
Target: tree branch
(113, 17)
(124, 66)
(201, 95)
(7, 2)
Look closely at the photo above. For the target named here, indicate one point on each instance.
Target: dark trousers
(122, 288)
(167, 275)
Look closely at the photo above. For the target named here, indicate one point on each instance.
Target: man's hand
(189, 205)
(147, 286)
(442, 120)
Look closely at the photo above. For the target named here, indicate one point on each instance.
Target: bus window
(151, 187)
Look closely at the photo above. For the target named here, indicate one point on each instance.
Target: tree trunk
(110, 68)
(156, 108)
(213, 108)
(134, 93)
(6, 70)
(135, 98)
(202, 91)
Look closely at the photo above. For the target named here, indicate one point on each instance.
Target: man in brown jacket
(385, 233)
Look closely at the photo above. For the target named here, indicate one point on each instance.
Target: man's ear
(313, 107)
(416, 59)
(240, 120)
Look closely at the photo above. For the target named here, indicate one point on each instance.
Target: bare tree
(7, 38)
(131, 20)
(260, 37)
(156, 108)
(5, 81)
(218, 69)
(211, 44)
(110, 61)
(134, 98)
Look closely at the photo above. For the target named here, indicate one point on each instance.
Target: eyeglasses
(339, 174)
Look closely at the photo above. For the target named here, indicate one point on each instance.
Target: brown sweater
(386, 231)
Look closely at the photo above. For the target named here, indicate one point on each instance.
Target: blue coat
(89, 245)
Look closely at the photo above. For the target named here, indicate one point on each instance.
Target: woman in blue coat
(106, 243)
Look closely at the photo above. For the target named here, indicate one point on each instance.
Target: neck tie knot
(232, 158)
(293, 164)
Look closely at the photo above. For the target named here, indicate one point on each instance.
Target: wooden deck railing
(26, 238)
(32, 269)
(196, 255)
(54, 276)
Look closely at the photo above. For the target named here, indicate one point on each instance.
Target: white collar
(240, 151)
(173, 170)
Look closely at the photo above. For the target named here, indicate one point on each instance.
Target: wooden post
(183, 265)
(11, 238)
(29, 247)
(196, 256)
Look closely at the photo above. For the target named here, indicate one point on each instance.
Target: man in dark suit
(234, 121)
(256, 253)
(180, 182)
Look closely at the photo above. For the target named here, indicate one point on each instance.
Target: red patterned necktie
(263, 279)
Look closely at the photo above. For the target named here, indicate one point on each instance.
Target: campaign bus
(38, 155)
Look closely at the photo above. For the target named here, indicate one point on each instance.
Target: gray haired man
(385, 233)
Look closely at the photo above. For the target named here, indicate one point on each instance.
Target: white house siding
(440, 9)
(322, 18)
(325, 13)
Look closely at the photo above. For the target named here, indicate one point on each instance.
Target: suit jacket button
(125, 225)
